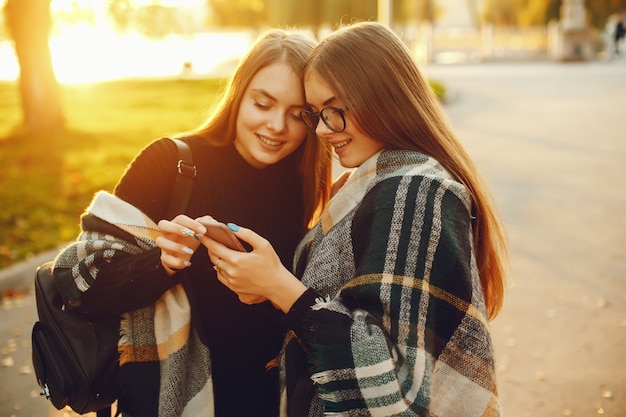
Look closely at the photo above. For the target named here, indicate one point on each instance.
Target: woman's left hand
(178, 241)
(255, 275)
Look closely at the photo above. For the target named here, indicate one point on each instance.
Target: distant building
(571, 38)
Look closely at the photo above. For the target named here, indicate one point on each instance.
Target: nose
(277, 122)
(321, 128)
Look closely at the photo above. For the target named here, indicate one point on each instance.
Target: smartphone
(220, 232)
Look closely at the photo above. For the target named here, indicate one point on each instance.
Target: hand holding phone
(219, 232)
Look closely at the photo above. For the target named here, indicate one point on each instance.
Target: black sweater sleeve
(131, 282)
(297, 316)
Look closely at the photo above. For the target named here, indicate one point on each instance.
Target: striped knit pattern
(401, 327)
(159, 335)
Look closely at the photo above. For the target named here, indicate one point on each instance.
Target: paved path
(550, 139)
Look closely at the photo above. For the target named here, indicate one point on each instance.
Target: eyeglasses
(331, 116)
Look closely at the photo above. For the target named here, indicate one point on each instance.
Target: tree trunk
(29, 23)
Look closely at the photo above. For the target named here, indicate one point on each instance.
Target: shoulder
(420, 179)
(157, 149)
(149, 167)
(164, 151)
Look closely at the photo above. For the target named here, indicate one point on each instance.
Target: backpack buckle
(186, 169)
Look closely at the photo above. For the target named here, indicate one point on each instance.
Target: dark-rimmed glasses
(331, 116)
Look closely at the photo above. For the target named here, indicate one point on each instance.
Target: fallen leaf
(25, 370)
(7, 362)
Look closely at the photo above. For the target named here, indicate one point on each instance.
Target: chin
(265, 160)
(347, 163)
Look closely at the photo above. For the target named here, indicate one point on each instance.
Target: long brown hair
(293, 49)
(370, 69)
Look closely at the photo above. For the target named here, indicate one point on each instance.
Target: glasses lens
(310, 119)
(333, 118)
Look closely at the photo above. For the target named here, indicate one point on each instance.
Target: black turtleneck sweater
(241, 338)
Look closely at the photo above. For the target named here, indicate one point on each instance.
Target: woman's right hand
(179, 239)
(255, 275)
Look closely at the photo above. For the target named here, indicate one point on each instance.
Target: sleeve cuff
(296, 317)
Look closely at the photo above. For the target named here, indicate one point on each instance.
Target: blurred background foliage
(157, 18)
(148, 15)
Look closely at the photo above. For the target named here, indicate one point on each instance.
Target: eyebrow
(265, 93)
(330, 100)
(327, 102)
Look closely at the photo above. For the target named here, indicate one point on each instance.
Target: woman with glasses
(392, 290)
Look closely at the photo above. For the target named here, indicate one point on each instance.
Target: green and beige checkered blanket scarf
(401, 327)
(158, 336)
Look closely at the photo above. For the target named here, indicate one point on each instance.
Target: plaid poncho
(158, 338)
(394, 322)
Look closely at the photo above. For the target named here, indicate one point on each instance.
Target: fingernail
(188, 232)
(187, 250)
(233, 227)
(187, 263)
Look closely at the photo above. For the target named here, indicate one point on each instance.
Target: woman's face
(352, 146)
(269, 127)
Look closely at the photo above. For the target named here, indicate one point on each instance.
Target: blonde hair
(293, 49)
(369, 68)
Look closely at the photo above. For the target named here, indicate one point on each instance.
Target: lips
(341, 144)
(268, 141)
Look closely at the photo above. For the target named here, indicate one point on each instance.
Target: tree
(29, 23)
(503, 12)
(601, 10)
(239, 13)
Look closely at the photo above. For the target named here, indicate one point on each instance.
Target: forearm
(286, 291)
(128, 283)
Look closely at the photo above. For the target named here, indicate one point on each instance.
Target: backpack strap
(184, 180)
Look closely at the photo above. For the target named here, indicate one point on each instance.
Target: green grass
(439, 89)
(47, 180)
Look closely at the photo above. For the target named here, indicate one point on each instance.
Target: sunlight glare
(84, 53)
(87, 54)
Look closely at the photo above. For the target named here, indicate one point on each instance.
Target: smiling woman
(257, 164)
